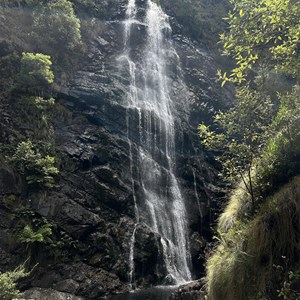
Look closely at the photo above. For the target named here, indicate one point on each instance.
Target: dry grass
(237, 207)
(242, 266)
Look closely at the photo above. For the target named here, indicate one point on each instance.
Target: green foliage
(42, 239)
(240, 135)
(6, 150)
(34, 235)
(286, 290)
(287, 119)
(9, 67)
(8, 286)
(28, 235)
(280, 158)
(57, 29)
(63, 247)
(35, 73)
(33, 90)
(264, 32)
(38, 169)
(263, 37)
(37, 103)
(42, 103)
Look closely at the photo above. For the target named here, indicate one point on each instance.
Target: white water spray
(162, 207)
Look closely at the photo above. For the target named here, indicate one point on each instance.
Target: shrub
(38, 169)
(35, 74)
(28, 235)
(57, 29)
(8, 286)
(280, 158)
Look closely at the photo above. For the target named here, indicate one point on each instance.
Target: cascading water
(162, 205)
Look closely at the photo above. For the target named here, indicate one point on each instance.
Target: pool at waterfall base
(155, 293)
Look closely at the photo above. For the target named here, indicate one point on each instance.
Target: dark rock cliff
(93, 202)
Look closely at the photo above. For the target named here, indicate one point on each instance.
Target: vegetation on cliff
(37, 51)
(38, 39)
(8, 283)
(257, 257)
(258, 233)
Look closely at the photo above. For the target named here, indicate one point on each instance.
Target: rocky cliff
(93, 202)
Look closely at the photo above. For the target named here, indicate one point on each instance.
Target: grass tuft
(257, 258)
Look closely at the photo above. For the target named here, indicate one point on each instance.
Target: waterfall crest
(162, 205)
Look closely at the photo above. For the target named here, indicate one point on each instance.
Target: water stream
(162, 206)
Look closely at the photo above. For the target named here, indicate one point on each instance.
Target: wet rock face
(96, 138)
(94, 202)
(10, 183)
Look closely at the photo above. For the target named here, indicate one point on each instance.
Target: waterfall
(148, 98)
